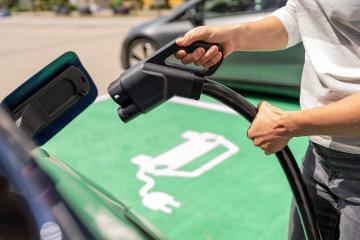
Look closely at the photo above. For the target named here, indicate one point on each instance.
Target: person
(329, 99)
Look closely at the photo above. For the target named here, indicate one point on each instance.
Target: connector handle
(160, 56)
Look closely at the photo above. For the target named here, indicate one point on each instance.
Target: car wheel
(138, 50)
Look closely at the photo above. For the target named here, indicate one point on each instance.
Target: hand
(271, 129)
(221, 35)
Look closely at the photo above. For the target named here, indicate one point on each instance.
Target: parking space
(220, 188)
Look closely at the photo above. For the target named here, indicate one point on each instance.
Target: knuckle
(205, 31)
(250, 133)
(185, 60)
(199, 53)
(191, 57)
(265, 146)
(256, 142)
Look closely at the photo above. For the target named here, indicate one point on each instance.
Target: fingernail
(180, 41)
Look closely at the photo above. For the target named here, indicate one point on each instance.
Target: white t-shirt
(330, 32)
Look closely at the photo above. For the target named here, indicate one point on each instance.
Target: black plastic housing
(52, 98)
(153, 81)
(147, 85)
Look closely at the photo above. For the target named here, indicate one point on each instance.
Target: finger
(268, 149)
(180, 41)
(211, 53)
(265, 146)
(213, 61)
(193, 35)
(180, 54)
(257, 142)
(250, 133)
(194, 56)
(262, 104)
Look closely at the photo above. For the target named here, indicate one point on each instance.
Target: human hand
(271, 129)
(220, 35)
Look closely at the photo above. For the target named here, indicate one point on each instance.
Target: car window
(213, 8)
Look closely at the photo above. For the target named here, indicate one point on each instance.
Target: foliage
(115, 3)
(37, 5)
(7, 3)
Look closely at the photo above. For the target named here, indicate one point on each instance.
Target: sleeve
(287, 15)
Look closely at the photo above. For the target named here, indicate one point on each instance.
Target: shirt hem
(335, 145)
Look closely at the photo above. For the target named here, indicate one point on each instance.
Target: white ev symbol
(169, 163)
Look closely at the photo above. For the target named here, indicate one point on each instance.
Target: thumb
(262, 104)
(193, 35)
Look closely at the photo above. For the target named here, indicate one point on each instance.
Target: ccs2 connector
(153, 81)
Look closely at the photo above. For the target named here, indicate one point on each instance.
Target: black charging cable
(287, 161)
(154, 81)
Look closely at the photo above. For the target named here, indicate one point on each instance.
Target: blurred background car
(269, 72)
(5, 13)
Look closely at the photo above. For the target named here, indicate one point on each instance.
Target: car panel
(281, 70)
(31, 193)
(59, 196)
(106, 217)
(51, 98)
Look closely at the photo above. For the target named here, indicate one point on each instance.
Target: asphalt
(28, 43)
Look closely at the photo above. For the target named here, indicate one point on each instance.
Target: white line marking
(217, 107)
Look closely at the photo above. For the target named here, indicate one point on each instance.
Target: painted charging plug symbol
(170, 163)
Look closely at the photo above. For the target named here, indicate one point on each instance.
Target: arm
(273, 128)
(263, 35)
(341, 118)
(274, 32)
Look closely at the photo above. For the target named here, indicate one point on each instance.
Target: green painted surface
(244, 197)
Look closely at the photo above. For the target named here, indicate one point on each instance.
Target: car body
(272, 72)
(42, 196)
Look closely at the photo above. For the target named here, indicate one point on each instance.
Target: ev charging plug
(153, 81)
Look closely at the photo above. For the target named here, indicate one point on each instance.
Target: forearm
(340, 118)
(264, 35)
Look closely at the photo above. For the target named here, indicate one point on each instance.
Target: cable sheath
(285, 156)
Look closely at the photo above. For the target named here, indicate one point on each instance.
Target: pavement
(28, 43)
